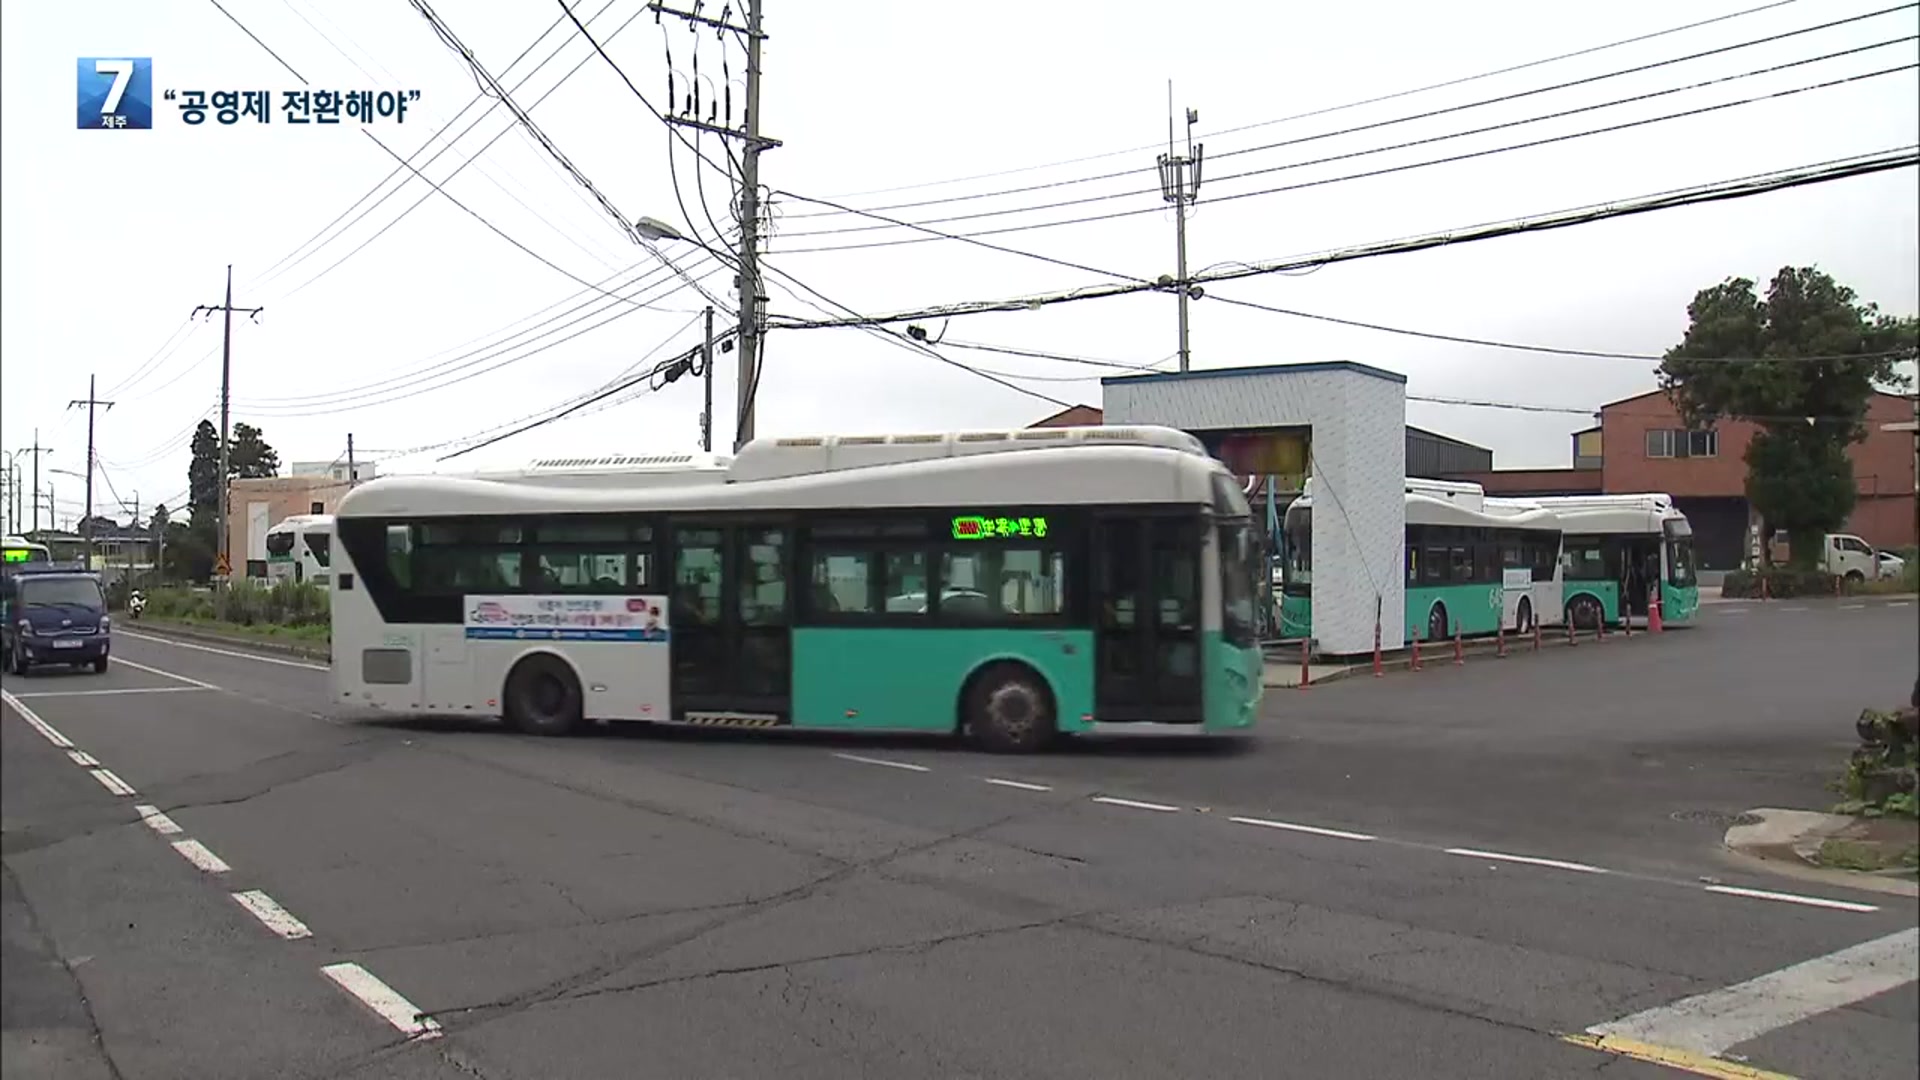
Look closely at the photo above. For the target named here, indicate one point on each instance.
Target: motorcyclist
(136, 603)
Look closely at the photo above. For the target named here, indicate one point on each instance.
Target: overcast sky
(112, 237)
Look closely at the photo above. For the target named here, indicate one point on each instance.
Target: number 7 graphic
(122, 72)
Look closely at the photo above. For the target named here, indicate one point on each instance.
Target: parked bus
(1008, 585)
(1625, 542)
(300, 548)
(1472, 564)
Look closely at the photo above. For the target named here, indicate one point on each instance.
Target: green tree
(1803, 365)
(248, 456)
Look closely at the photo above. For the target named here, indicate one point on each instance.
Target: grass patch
(317, 637)
(1869, 855)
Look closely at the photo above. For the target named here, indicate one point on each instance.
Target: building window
(1681, 443)
(1703, 443)
(1659, 443)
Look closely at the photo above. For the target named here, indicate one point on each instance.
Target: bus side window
(400, 555)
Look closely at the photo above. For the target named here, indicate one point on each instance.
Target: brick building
(1641, 444)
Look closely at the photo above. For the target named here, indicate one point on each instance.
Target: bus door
(1147, 619)
(731, 619)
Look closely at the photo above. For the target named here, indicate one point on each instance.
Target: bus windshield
(1239, 568)
(1298, 535)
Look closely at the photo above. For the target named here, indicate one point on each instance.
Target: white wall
(257, 525)
(1358, 417)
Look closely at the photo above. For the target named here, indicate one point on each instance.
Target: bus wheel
(1523, 618)
(1437, 629)
(543, 697)
(1584, 612)
(1009, 711)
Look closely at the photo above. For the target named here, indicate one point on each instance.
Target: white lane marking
(1716, 1021)
(116, 690)
(1111, 801)
(112, 782)
(158, 821)
(1796, 608)
(165, 674)
(83, 759)
(384, 1000)
(1736, 611)
(1315, 830)
(225, 652)
(1853, 607)
(33, 718)
(1501, 856)
(199, 855)
(1791, 898)
(1900, 603)
(1021, 785)
(908, 766)
(277, 919)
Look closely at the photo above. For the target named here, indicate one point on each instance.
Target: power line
(1590, 50)
(1385, 171)
(1779, 180)
(1367, 152)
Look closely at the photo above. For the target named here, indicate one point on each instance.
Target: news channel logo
(115, 92)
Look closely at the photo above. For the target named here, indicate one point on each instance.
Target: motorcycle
(136, 603)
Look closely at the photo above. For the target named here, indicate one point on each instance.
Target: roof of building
(1257, 369)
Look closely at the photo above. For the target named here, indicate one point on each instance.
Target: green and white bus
(1010, 585)
(1617, 543)
(299, 548)
(1472, 564)
(20, 551)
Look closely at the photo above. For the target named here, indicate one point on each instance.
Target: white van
(1849, 557)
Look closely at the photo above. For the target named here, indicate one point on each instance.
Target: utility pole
(752, 143)
(226, 400)
(86, 523)
(352, 477)
(36, 450)
(1180, 185)
(135, 531)
(706, 377)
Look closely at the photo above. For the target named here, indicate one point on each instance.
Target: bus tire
(1523, 617)
(543, 696)
(1437, 627)
(1007, 709)
(1584, 612)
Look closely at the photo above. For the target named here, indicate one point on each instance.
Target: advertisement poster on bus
(567, 618)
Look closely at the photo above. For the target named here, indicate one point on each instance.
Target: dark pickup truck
(53, 615)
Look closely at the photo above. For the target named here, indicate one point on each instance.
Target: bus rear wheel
(1009, 711)
(543, 696)
(1584, 613)
(1437, 623)
(1523, 618)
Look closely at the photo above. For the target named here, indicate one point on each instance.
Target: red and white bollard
(1415, 665)
(1536, 635)
(1377, 671)
(1306, 654)
(1500, 636)
(1653, 614)
(1459, 651)
(1573, 638)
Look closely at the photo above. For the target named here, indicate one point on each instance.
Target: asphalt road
(1437, 874)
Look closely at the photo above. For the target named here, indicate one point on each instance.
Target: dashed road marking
(1500, 856)
(112, 782)
(1791, 898)
(1019, 784)
(1853, 607)
(272, 915)
(226, 652)
(33, 720)
(199, 855)
(83, 759)
(1312, 830)
(1794, 608)
(1713, 1023)
(908, 766)
(1136, 804)
(383, 1000)
(115, 691)
(196, 684)
(1900, 603)
(158, 821)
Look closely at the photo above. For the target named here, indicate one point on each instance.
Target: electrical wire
(1368, 126)
(1328, 110)
(1745, 187)
(1385, 171)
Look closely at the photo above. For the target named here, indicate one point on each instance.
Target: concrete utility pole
(86, 523)
(36, 450)
(752, 143)
(135, 531)
(226, 400)
(1180, 185)
(706, 377)
(352, 476)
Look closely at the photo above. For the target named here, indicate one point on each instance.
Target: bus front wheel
(1009, 711)
(1523, 618)
(543, 696)
(1437, 623)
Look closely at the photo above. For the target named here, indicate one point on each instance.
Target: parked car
(1891, 565)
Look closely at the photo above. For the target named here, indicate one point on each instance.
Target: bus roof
(1091, 473)
(769, 459)
(302, 521)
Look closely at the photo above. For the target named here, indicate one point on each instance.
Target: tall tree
(1808, 359)
(203, 472)
(250, 457)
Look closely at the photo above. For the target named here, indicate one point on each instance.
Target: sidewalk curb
(208, 637)
(1771, 846)
(1441, 654)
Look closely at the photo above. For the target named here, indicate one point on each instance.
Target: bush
(1883, 774)
(1781, 581)
(245, 603)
